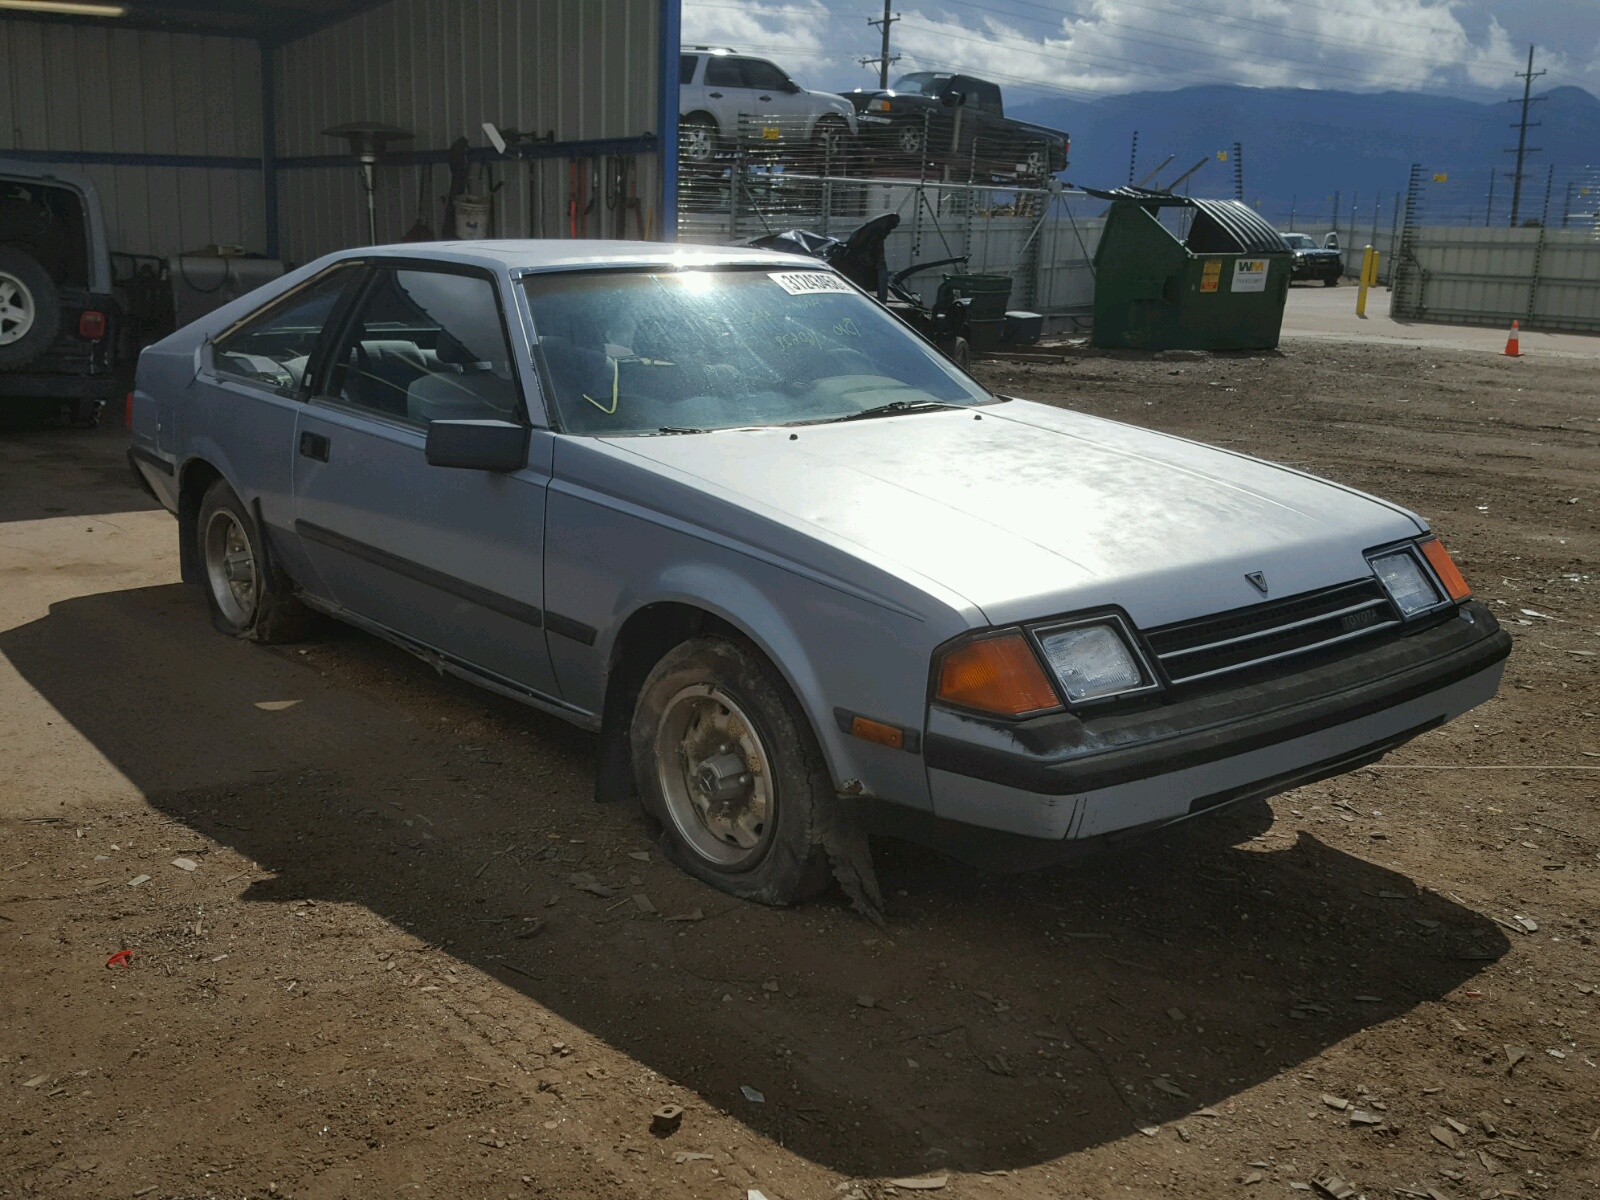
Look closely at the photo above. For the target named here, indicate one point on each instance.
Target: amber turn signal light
(869, 730)
(1445, 568)
(998, 675)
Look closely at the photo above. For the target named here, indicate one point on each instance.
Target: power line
(1522, 127)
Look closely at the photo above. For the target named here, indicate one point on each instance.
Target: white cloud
(1111, 46)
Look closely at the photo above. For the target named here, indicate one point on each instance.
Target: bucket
(472, 217)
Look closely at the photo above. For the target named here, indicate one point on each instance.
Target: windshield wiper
(893, 408)
(680, 429)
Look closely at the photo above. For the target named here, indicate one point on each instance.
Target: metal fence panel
(1545, 278)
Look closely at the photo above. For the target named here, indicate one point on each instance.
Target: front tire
(247, 598)
(697, 140)
(728, 766)
(1331, 282)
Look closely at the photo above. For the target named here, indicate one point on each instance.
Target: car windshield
(925, 83)
(1299, 241)
(687, 351)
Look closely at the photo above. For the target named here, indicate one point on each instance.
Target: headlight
(1091, 662)
(1406, 581)
(877, 106)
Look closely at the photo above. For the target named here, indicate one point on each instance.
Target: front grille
(1247, 637)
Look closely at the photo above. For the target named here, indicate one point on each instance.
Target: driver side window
(427, 346)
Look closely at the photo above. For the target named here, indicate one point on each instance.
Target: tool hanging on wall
(459, 169)
(511, 143)
(592, 192)
(617, 194)
(572, 198)
(633, 203)
(421, 231)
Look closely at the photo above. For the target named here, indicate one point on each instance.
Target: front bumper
(1066, 777)
(1318, 268)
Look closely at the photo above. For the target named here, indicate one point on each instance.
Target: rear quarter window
(48, 223)
(686, 65)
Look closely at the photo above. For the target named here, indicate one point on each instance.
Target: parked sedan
(804, 577)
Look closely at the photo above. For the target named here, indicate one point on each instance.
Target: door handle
(314, 445)
(716, 95)
(764, 97)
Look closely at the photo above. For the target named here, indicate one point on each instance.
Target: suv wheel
(30, 308)
(697, 140)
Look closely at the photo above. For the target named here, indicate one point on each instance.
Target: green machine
(1222, 287)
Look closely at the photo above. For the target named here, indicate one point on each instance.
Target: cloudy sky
(1086, 48)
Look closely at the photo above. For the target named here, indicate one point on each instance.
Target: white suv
(716, 86)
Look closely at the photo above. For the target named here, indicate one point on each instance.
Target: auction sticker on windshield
(809, 283)
(1250, 275)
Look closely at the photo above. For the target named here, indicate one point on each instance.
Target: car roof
(44, 173)
(542, 254)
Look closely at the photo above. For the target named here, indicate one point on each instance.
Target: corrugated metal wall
(1546, 278)
(77, 88)
(582, 69)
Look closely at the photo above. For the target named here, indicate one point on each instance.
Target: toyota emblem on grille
(1257, 580)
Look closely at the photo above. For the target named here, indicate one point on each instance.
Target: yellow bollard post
(1369, 273)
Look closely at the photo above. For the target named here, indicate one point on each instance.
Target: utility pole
(1238, 172)
(1522, 127)
(884, 57)
(1133, 156)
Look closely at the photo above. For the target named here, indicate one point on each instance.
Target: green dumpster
(1221, 288)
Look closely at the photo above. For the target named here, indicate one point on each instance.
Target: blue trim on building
(97, 158)
(645, 143)
(671, 36)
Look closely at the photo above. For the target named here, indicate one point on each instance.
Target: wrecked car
(804, 577)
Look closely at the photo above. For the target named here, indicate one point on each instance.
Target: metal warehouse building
(203, 122)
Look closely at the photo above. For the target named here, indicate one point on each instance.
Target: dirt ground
(379, 980)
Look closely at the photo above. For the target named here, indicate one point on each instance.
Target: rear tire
(1334, 282)
(728, 766)
(30, 308)
(697, 140)
(248, 599)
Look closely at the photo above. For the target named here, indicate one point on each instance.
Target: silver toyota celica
(805, 578)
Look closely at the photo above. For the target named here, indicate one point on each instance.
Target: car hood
(1025, 511)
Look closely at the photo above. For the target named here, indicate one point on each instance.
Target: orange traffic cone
(1513, 342)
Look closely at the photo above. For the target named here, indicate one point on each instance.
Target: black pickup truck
(956, 121)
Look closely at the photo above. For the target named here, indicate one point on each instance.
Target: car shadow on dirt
(996, 1023)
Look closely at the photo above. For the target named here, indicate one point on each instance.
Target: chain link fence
(991, 203)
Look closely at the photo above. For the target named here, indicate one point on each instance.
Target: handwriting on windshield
(799, 337)
(847, 328)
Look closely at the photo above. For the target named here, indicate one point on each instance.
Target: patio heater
(369, 141)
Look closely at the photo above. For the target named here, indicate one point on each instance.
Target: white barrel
(472, 216)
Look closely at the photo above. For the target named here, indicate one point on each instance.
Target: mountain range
(1300, 147)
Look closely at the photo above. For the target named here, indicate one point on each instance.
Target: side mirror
(951, 98)
(477, 445)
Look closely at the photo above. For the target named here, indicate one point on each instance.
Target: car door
(446, 557)
(725, 94)
(252, 387)
(776, 95)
